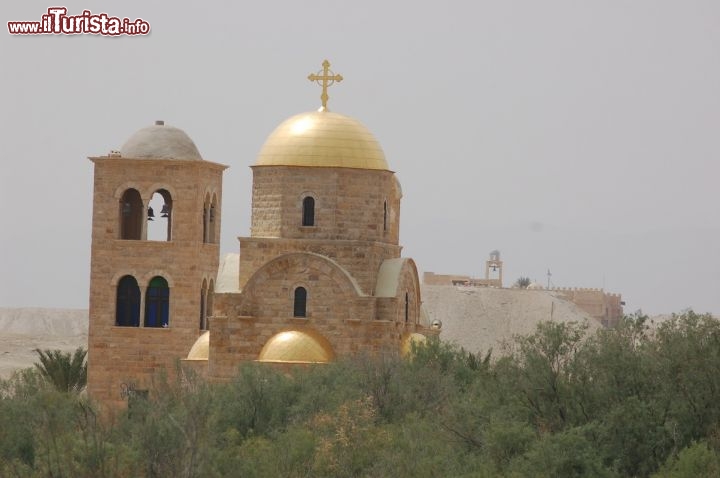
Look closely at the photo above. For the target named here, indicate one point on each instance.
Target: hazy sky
(580, 137)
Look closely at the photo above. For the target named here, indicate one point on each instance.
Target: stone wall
(354, 323)
(361, 259)
(430, 278)
(605, 307)
(239, 339)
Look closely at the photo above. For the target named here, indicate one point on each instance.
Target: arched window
(127, 305)
(131, 215)
(209, 219)
(203, 307)
(385, 216)
(157, 303)
(206, 220)
(159, 216)
(206, 303)
(308, 211)
(210, 300)
(212, 221)
(300, 303)
(407, 307)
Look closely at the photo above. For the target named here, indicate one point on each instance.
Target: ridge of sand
(481, 318)
(22, 330)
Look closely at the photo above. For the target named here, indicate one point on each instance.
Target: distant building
(604, 307)
(493, 275)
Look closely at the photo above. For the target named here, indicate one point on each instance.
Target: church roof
(295, 346)
(322, 139)
(389, 277)
(408, 340)
(160, 141)
(228, 279)
(201, 348)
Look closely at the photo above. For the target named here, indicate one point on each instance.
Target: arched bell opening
(159, 215)
(210, 220)
(213, 220)
(131, 215)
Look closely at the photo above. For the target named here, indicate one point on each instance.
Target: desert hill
(481, 318)
(23, 330)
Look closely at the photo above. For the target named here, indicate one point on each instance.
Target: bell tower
(154, 258)
(493, 269)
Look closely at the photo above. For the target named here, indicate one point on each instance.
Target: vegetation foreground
(565, 403)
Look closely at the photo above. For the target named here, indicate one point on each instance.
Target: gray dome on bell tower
(160, 141)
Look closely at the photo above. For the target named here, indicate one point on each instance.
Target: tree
(698, 459)
(522, 282)
(65, 372)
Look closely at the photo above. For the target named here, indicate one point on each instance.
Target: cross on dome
(325, 77)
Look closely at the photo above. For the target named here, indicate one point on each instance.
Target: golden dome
(408, 340)
(322, 139)
(294, 346)
(201, 349)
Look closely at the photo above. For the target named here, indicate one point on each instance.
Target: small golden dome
(201, 349)
(408, 340)
(322, 139)
(294, 346)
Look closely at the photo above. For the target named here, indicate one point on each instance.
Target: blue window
(127, 305)
(157, 303)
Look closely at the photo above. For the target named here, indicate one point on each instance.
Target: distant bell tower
(154, 258)
(493, 269)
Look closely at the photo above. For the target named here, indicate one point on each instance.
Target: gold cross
(328, 78)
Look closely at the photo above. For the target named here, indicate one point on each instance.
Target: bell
(151, 214)
(165, 211)
(494, 268)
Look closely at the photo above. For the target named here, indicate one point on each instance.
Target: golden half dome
(201, 349)
(322, 139)
(294, 346)
(409, 340)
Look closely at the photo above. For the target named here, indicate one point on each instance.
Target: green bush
(618, 402)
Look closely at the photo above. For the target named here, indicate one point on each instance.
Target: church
(319, 278)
